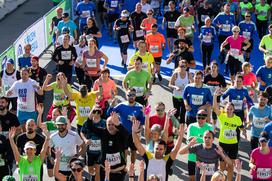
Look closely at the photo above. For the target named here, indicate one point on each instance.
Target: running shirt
(171, 18)
(266, 75)
(266, 42)
(181, 83)
(93, 62)
(123, 34)
(148, 25)
(70, 24)
(7, 80)
(136, 19)
(227, 22)
(258, 116)
(25, 92)
(249, 79)
(138, 81)
(24, 61)
(68, 144)
(247, 29)
(196, 97)
(85, 10)
(148, 60)
(108, 88)
(83, 106)
(186, 22)
(263, 164)
(228, 126)
(245, 7)
(30, 171)
(194, 130)
(207, 35)
(155, 119)
(51, 126)
(157, 167)
(268, 130)
(154, 44)
(203, 13)
(214, 82)
(262, 11)
(59, 97)
(235, 45)
(114, 6)
(64, 54)
(79, 51)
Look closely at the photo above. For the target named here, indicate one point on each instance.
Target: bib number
(114, 158)
(139, 91)
(114, 4)
(238, 104)
(207, 38)
(84, 111)
(246, 34)
(91, 63)
(124, 39)
(139, 33)
(197, 100)
(30, 178)
(66, 55)
(230, 134)
(259, 122)
(171, 24)
(264, 173)
(95, 145)
(226, 27)
(86, 14)
(22, 106)
(210, 169)
(154, 49)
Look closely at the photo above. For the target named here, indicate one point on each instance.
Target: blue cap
(11, 61)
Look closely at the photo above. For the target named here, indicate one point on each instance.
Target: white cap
(124, 13)
(30, 144)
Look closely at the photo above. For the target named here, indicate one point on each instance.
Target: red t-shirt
(154, 119)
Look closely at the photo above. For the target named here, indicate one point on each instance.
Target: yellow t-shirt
(83, 106)
(228, 128)
(148, 59)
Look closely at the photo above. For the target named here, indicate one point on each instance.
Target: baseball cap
(30, 144)
(11, 61)
(61, 120)
(124, 13)
(65, 15)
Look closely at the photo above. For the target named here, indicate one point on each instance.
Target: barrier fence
(37, 34)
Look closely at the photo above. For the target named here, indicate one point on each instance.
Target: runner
(262, 10)
(245, 7)
(70, 24)
(84, 10)
(186, 20)
(156, 44)
(91, 30)
(147, 23)
(54, 23)
(264, 74)
(24, 60)
(265, 45)
(204, 12)
(140, 80)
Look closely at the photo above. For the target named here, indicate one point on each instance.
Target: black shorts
(171, 33)
(191, 168)
(235, 66)
(250, 47)
(158, 60)
(130, 144)
(230, 149)
(92, 159)
(13, 102)
(112, 17)
(40, 98)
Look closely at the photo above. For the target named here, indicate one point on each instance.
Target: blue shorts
(24, 116)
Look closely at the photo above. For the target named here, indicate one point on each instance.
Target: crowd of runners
(210, 115)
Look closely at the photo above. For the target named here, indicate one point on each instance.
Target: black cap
(65, 15)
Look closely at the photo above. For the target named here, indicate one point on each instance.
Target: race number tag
(226, 27)
(171, 24)
(114, 158)
(264, 173)
(66, 55)
(124, 39)
(154, 49)
(59, 97)
(238, 104)
(234, 52)
(197, 100)
(30, 178)
(86, 14)
(139, 91)
(263, 13)
(210, 169)
(258, 122)
(230, 134)
(91, 63)
(84, 111)
(2, 161)
(95, 145)
(207, 38)
(139, 33)
(114, 4)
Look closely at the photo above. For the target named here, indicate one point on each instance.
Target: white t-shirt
(68, 144)
(60, 40)
(79, 51)
(25, 92)
(146, 7)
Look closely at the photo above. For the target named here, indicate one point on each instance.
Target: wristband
(131, 176)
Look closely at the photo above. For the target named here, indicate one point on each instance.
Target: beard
(30, 131)
(61, 130)
(2, 108)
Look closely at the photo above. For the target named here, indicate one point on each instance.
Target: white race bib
(230, 134)
(95, 145)
(124, 39)
(226, 27)
(114, 4)
(86, 14)
(263, 13)
(22, 106)
(79, 60)
(259, 122)
(154, 49)
(30, 178)
(66, 55)
(171, 24)
(59, 97)
(246, 34)
(238, 104)
(197, 100)
(114, 158)
(207, 38)
(234, 52)
(91, 62)
(84, 111)
(189, 31)
(264, 173)
(210, 169)
(139, 33)
(148, 31)
(139, 91)
(64, 160)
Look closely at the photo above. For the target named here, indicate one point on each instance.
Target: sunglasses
(76, 169)
(263, 141)
(159, 110)
(247, 16)
(183, 66)
(131, 95)
(235, 31)
(149, 13)
(96, 111)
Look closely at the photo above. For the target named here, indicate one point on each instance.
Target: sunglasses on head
(76, 169)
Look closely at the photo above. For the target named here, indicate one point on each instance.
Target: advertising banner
(6, 55)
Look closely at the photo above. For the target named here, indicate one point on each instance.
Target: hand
(131, 170)
(113, 102)
(188, 108)
(64, 111)
(36, 87)
(9, 93)
(219, 150)
(45, 131)
(48, 77)
(61, 62)
(238, 165)
(135, 126)
(87, 142)
(192, 142)
(58, 152)
(171, 112)
(218, 92)
(244, 132)
(12, 132)
(146, 95)
(40, 108)
(115, 119)
(142, 164)
(118, 28)
(177, 88)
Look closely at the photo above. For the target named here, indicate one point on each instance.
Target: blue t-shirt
(95, 146)
(236, 96)
(268, 130)
(247, 29)
(207, 35)
(87, 8)
(115, 5)
(24, 62)
(70, 24)
(227, 22)
(126, 111)
(196, 97)
(266, 75)
(258, 115)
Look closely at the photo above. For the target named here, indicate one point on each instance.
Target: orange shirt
(147, 24)
(154, 44)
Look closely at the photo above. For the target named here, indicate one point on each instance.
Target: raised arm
(57, 174)
(45, 86)
(46, 142)
(185, 149)
(14, 148)
(175, 150)
(215, 104)
(136, 139)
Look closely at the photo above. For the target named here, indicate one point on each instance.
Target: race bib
(238, 104)
(59, 97)
(114, 158)
(207, 38)
(197, 100)
(64, 160)
(95, 145)
(189, 31)
(234, 52)
(66, 55)
(230, 134)
(30, 178)
(171, 24)
(264, 173)
(203, 17)
(84, 111)
(145, 66)
(263, 13)
(258, 122)
(210, 169)
(154, 49)
(114, 4)
(86, 14)
(91, 63)
(139, 91)
(22, 106)
(246, 34)
(124, 39)
(139, 33)
(226, 27)
(148, 31)
(2, 161)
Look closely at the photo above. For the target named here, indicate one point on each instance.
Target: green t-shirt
(59, 97)
(30, 171)
(262, 11)
(138, 81)
(187, 22)
(228, 126)
(267, 43)
(245, 7)
(195, 131)
(51, 126)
